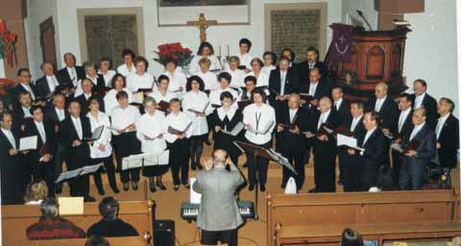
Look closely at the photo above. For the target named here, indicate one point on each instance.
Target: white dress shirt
(79, 90)
(177, 121)
(28, 89)
(354, 123)
(110, 100)
(177, 80)
(440, 123)
(323, 118)
(238, 77)
(292, 113)
(123, 117)
(9, 136)
(267, 69)
(26, 112)
(158, 96)
(419, 101)
(134, 82)
(152, 126)
(123, 69)
(367, 136)
(261, 80)
(402, 118)
(379, 103)
(60, 113)
(416, 129)
(41, 130)
(313, 88)
(245, 60)
(108, 77)
(259, 117)
(78, 127)
(311, 65)
(283, 77)
(209, 79)
(337, 104)
(197, 101)
(223, 113)
(106, 136)
(52, 82)
(72, 73)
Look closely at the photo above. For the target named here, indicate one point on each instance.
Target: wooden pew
(16, 219)
(114, 241)
(321, 217)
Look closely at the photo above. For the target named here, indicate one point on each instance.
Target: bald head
(219, 157)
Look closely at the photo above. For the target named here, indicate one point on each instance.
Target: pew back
(16, 218)
(359, 208)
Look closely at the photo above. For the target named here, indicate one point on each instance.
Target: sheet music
(282, 160)
(28, 143)
(329, 130)
(90, 169)
(97, 133)
(150, 136)
(344, 140)
(236, 130)
(195, 198)
(68, 175)
(265, 129)
(176, 131)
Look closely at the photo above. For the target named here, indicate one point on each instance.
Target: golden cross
(202, 24)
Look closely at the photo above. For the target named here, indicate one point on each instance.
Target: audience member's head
(350, 237)
(456, 241)
(50, 207)
(36, 191)
(96, 241)
(108, 208)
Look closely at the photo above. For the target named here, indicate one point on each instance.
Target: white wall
(154, 35)
(350, 7)
(431, 48)
(39, 11)
(2, 68)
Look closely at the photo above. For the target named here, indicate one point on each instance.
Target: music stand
(257, 152)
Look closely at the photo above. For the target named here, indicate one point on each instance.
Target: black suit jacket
(388, 111)
(14, 93)
(42, 90)
(286, 140)
(303, 71)
(359, 128)
(430, 104)
(52, 116)
(30, 129)
(274, 83)
(407, 125)
(84, 104)
(332, 121)
(375, 148)
(8, 161)
(426, 147)
(449, 142)
(344, 112)
(322, 90)
(64, 76)
(68, 134)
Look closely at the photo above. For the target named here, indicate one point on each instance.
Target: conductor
(219, 215)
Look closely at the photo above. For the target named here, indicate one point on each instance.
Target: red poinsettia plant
(7, 44)
(174, 51)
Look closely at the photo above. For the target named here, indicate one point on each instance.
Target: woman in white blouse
(98, 81)
(101, 149)
(127, 67)
(140, 80)
(262, 79)
(205, 50)
(110, 101)
(163, 94)
(177, 78)
(197, 107)
(151, 129)
(259, 119)
(237, 74)
(269, 62)
(105, 70)
(210, 81)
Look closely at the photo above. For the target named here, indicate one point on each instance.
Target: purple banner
(341, 44)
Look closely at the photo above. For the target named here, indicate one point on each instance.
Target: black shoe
(58, 189)
(315, 190)
(88, 198)
(101, 191)
(115, 189)
(251, 187)
(176, 187)
(134, 185)
(126, 186)
(152, 187)
(283, 185)
(160, 185)
(193, 166)
(262, 188)
(200, 167)
(187, 186)
(340, 182)
(207, 141)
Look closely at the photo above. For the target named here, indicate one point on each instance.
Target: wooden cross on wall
(202, 24)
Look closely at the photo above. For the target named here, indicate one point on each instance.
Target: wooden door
(47, 40)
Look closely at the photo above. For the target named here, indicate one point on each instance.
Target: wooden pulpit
(376, 56)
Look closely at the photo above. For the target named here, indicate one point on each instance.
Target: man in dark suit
(46, 85)
(423, 100)
(291, 122)
(56, 113)
(324, 147)
(71, 73)
(447, 134)
(371, 157)
(83, 99)
(312, 61)
(349, 170)
(382, 103)
(281, 84)
(24, 85)
(40, 160)
(11, 170)
(419, 148)
(316, 88)
(73, 130)
(341, 105)
(22, 112)
(403, 125)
